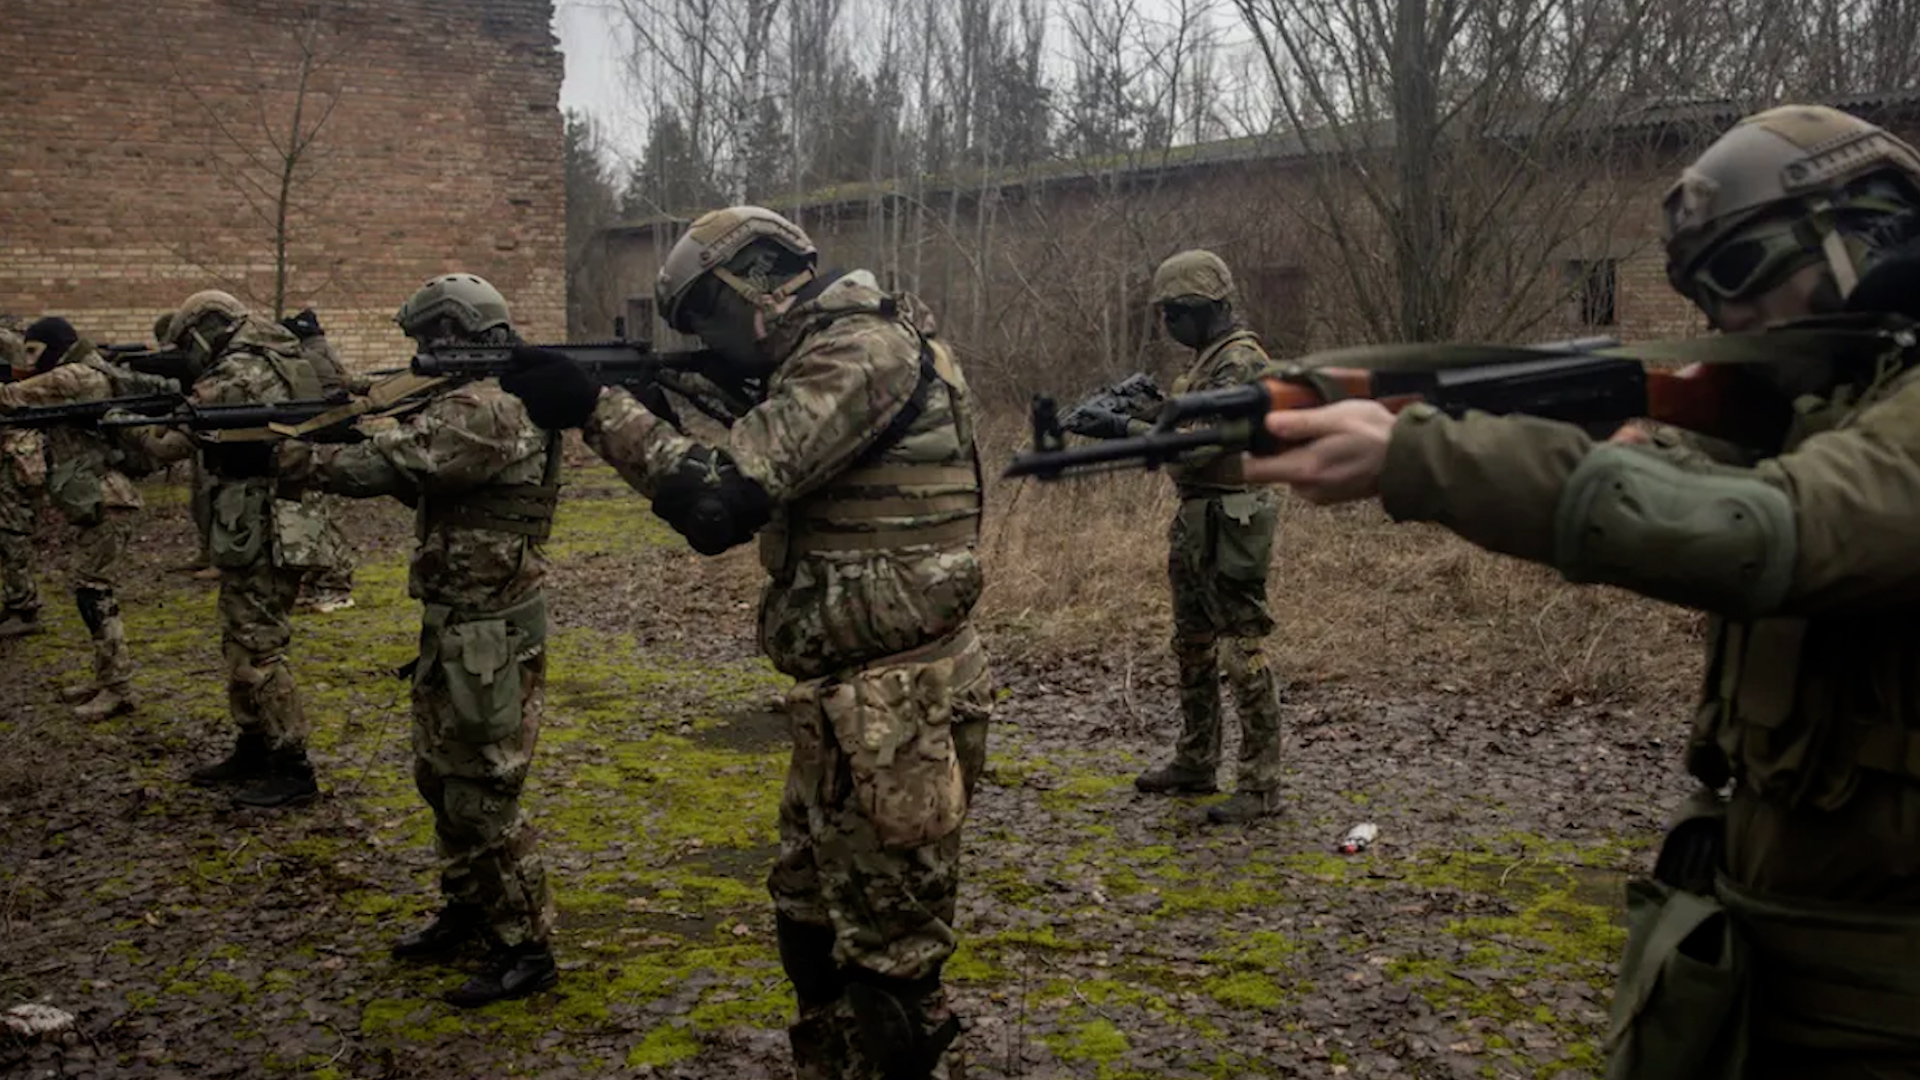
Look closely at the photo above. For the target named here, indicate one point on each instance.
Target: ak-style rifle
(1596, 383)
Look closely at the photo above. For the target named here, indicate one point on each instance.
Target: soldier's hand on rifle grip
(558, 392)
(1332, 454)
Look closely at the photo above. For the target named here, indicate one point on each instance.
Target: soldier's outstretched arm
(457, 443)
(63, 385)
(828, 406)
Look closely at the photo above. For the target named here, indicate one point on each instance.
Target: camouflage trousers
(254, 634)
(101, 549)
(18, 561)
(200, 506)
(884, 763)
(1219, 549)
(315, 543)
(490, 856)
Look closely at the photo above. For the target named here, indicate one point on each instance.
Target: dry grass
(1081, 564)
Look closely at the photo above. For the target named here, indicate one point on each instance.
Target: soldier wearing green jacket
(1780, 933)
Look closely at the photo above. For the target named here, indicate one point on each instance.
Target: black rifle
(633, 365)
(1134, 397)
(1593, 382)
(89, 413)
(168, 363)
(240, 423)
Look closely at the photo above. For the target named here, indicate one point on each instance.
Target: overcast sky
(593, 81)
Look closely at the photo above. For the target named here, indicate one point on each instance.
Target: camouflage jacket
(319, 354)
(464, 440)
(83, 472)
(261, 365)
(853, 360)
(1231, 361)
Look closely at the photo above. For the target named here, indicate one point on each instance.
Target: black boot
(1175, 780)
(247, 762)
(288, 781)
(454, 926)
(513, 972)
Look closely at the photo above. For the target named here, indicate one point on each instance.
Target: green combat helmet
(1192, 274)
(1784, 189)
(471, 303)
(710, 244)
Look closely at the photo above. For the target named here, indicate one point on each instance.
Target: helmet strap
(767, 300)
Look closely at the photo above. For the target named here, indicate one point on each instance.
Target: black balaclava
(58, 335)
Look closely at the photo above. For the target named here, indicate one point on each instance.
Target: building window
(1592, 284)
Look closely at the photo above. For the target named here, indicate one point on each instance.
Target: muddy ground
(1106, 934)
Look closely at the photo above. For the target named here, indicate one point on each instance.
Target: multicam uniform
(864, 446)
(260, 364)
(481, 478)
(1219, 546)
(312, 537)
(23, 470)
(86, 482)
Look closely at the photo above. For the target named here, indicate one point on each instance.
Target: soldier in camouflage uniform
(87, 481)
(482, 480)
(316, 542)
(857, 472)
(1219, 547)
(246, 360)
(1778, 935)
(23, 471)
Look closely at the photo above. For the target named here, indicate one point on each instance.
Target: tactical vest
(520, 509)
(1191, 482)
(917, 485)
(235, 458)
(1798, 707)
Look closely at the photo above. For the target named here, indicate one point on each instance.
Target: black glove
(1095, 423)
(558, 391)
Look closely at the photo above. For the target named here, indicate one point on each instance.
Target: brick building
(143, 145)
(1040, 278)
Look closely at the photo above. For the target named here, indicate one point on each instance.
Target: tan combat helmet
(715, 238)
(1192, 274)
(1764, 200)
(199, 306)
(161, 326)
(472, 302)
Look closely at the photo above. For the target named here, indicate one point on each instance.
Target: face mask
(730, 330)
(1186, 325)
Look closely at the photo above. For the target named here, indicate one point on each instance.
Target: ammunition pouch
(892, 722)
(521, 509)
(477, 657)
(241, 530)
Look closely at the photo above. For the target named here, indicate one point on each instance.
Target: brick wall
(140, 159)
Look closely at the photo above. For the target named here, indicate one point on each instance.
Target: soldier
(482, 481)
(23, 471)
(857, 471)
(1220, 544)
(313, 537)
(87, 481)
(1777, 937)
(246, 360)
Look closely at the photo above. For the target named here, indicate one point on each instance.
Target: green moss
(663, 1045)
(1097, 1041)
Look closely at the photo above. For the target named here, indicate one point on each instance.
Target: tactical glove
(558, 392)
(1095, 423)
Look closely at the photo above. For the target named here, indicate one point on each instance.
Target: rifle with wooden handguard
(1596, 383)
(633, 365)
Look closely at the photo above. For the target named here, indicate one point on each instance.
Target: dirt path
(1106, 934)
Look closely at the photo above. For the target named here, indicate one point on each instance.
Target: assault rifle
(168, 363)
(89, 413)
(633, 365)
(248, 423)
(1131, 397)
(1594, 382)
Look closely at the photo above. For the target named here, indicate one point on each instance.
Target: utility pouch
(480, 662)
(1680, 1010)
(75, 489)
(1243, 535)
(241, 530)
(893, 723)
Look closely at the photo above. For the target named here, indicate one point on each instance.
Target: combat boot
(512, 972)
(108, 702)
(248, 761)
(1176, 780)
(77, 694)
(454, 926)
(20, 623)
(1245, 806)
(289, 781)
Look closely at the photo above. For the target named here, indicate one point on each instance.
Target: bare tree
(275, 160)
